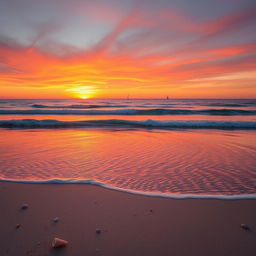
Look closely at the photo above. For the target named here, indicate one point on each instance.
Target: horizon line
(163, 98)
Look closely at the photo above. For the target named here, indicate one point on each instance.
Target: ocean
(177, 148)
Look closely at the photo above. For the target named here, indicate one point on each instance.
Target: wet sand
(129, 225)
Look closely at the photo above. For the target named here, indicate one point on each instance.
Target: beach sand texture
(129, 224)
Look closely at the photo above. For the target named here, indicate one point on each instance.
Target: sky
(112, 49)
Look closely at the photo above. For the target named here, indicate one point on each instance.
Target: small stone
(58, 242)
(151, 210)
(245, 227)
(18, 226)
(98, 231)
(55, 220)
(24, 207)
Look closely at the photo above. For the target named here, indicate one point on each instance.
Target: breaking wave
(116, 123)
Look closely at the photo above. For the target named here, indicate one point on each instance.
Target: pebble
(98, 231)
(245, 227)
(24, 207)
(18, 226)
(55, 220)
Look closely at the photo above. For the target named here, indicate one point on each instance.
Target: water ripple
(167, 162)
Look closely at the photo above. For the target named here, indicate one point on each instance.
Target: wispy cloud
(160, 48)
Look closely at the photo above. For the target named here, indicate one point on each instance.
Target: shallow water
(170, 162)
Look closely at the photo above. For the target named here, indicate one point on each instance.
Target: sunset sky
(111, 49)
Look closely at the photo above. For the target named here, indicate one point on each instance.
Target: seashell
(24, 207)
(55, 220)
(245, 227)
(57, 242)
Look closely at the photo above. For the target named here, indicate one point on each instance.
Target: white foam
(151, 194)
(116, 123)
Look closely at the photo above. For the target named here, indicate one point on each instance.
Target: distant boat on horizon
(167, 97)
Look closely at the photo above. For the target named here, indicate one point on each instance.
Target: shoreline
(130, 224)
(135, 192)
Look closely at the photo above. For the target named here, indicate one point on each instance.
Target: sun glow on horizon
(83, 92)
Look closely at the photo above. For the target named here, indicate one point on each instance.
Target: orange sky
(174, 54)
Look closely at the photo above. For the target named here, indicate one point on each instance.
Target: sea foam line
(142, 193)
(117, 123)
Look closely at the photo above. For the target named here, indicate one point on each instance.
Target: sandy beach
(129, 224)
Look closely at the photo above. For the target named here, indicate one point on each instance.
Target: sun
(83, 92)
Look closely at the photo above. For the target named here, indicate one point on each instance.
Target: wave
(251, 103)
(143, 193)
(233, 105)
(78, 106)
(116, 123)
(106, 105)
(155, 111)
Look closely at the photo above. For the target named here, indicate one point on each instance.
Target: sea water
(175, 148)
